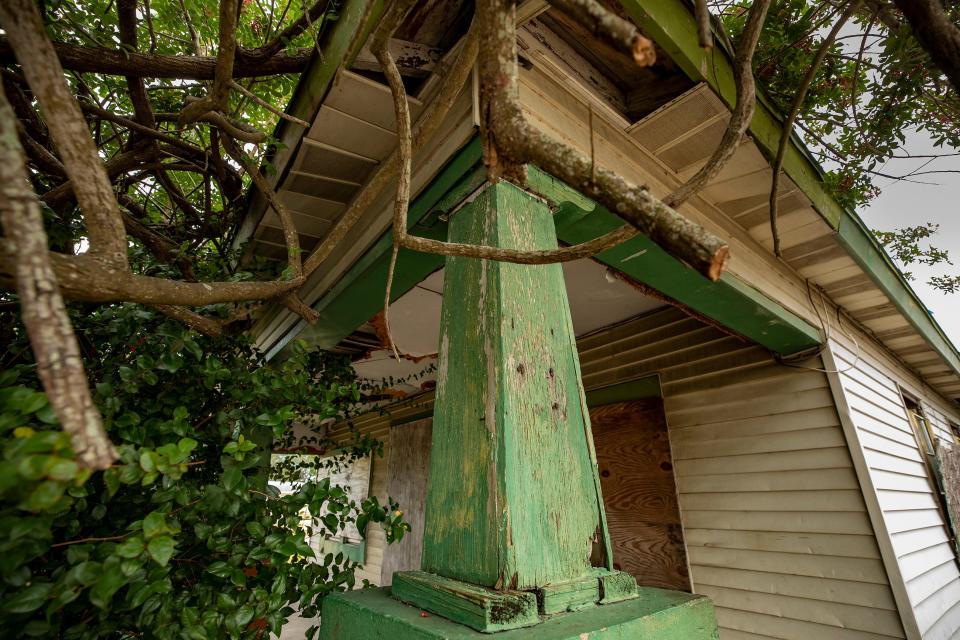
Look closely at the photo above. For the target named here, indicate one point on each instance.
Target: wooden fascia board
(730, 302)
(342, 45)
(864, 249)
(671, 24)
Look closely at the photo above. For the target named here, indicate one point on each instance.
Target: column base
(372, 614)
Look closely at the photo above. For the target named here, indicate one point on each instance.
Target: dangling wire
(824, 320)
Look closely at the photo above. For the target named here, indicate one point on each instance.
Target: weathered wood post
(514, 534)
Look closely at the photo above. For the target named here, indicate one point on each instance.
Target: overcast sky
(907, 204)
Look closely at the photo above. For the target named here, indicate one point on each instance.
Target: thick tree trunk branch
(42, 309)
(68, 129)
(87, 279)
(510, 140)
(936, 34)
(111, 62)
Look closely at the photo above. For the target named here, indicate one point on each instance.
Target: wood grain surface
(407, 484)
(639, 492)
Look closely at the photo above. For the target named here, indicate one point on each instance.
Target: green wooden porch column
(514, 534)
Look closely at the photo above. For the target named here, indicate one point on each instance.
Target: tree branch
(111, 62)
(792, 116)
(509, 137)
(218, 97)
(615, 30)
(742, 113)
(42, 309)
(290, 236)
(87, 279)
(287, 35)
(936, 34)
(68, 129)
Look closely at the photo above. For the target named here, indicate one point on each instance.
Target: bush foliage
(183, 538)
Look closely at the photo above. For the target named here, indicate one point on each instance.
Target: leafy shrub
(183, 537)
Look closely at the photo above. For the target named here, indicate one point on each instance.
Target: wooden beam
(413, 59)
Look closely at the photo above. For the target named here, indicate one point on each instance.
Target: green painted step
(657, 614)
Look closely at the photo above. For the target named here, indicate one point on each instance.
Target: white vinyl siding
(918, 535)
(775, 525)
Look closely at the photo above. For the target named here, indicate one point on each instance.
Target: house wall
(905, 497)
(776, 528)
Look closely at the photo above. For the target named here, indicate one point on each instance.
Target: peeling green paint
(513, 501)
(371, 614)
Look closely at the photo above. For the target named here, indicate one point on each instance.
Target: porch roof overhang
(895, 314)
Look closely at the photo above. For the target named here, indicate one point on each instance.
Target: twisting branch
(618, 32)
(266, 105)
(742, 112)
(290, 236)
(510, 142)
(216, 99)
(24, 26)
(42, 309)
(792, 116)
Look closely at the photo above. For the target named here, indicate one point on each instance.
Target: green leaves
(182, 538)
(161, 549)
(29, 599)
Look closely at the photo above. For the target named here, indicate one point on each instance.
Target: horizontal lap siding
(775, 525)
(909, 506)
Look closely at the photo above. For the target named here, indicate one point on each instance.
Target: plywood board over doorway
(639, 492)
(409, 469)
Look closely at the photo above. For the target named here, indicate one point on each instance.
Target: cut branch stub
(620, 33)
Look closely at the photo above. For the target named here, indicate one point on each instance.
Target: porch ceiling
(659, 142)
(598, 299)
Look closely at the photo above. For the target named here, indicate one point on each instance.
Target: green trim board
(358, 295)
(647, 387)
(863, 247)
(730, 301)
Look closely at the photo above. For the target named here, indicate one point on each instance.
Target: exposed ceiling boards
(597, 300)
(353, 132)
